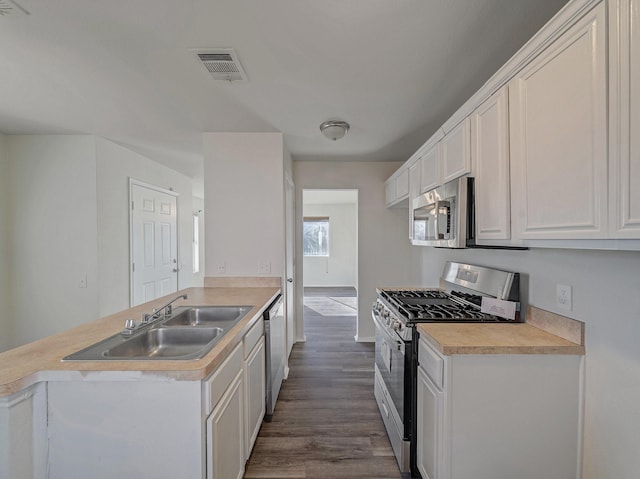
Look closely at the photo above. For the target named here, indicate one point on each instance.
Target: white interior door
(154, 242)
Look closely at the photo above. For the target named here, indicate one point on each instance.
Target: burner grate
(438, 305)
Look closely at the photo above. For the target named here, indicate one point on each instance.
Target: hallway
(326, 423)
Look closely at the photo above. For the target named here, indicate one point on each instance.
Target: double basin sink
(189, 333)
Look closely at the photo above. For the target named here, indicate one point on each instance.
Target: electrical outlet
(563, 297)
(264, 267)
(221, 268)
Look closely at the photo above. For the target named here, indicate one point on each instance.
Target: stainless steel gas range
(467, 293)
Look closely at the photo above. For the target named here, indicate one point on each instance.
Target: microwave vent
(222, 64)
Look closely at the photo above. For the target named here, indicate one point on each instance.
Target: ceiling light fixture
(334, 129)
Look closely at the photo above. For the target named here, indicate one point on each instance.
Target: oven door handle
(395, 341)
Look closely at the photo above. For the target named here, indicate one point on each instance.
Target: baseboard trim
(364, 339)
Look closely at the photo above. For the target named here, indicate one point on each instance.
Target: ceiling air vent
(222, 64)
(11, 8)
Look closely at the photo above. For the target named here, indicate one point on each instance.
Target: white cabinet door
(396, 188)
(430, 169)
(490, 153)
(225, 435)
(456, 154)
(429, 431)
(625, 120)
(402, 184)
(254, 387)
(389, 191)
(558, 129)
(414, 191)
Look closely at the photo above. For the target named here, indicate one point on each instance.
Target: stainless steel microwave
(440, 216)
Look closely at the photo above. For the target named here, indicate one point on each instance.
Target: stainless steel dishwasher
(275, 334)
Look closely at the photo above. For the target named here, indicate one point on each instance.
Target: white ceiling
(125, 70)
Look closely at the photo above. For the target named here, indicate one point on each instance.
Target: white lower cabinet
(499, 416)
(23, 434)
(129, 424)
(225, 434)
(254, 390)
(429, 427)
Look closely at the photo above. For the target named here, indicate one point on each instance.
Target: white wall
(385, 257)
(606, 296)
(6, 333)
(66, 217)
(53, 228)
(115, 165)
(339, 268)
(244, 202)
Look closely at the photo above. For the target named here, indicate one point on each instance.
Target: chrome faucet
(164, 310)
(147, 318)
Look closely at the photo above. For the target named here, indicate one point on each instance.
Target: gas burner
(420, 293)
(472, 298)
(437, 305)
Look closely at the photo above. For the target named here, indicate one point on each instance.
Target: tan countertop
(41, 360)
(501, 338)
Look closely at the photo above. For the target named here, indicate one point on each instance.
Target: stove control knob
(396, 325)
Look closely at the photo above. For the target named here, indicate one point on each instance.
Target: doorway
(330, 256)
(153, 242)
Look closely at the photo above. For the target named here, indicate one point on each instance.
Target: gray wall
(66, 218)
(115, 165)
(385, 257)
(53, 233)
(5, 323)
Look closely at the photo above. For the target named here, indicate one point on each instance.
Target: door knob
(289, 280)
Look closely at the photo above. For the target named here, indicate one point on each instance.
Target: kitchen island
(134, 418)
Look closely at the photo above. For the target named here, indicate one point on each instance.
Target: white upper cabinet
(625, 119)
(402, 184)
(448, 159)
(558, 133)
(414, 191)
(430, 169)
(455, 152)
(490, 154)
(396, 188)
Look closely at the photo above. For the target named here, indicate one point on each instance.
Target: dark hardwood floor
(326, 423)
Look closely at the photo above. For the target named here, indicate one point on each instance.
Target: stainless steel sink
(189, 333)
(206, 315)
(165, 343)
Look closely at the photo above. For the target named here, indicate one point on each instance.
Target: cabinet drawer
(219, 381)
(431, 363)
(252, 337)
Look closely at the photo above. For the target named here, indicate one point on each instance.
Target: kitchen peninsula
(129, 418)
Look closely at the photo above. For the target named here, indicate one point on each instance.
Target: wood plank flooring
(326, 424)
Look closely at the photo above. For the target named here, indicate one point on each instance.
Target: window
(196, 244)
(315, 240)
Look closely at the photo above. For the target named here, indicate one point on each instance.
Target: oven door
(391, 362)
